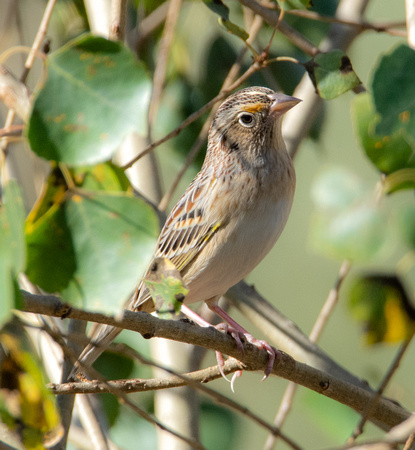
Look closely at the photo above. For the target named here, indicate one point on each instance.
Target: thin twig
(322, 319)
(14, 131)
(28, 65)
(40, 35)
(330, 303)
(233, 365)
(272, 18)
(57, 337)
(386, 413)
(117, 20)
(387, 27)
(250, 71)
(284, 334)
(162, 59)
(150, 23)
(66, 404)
(253, 31)
(133, 385)
(193, 379)
(282, 413)
(410, 21)
(372, 403)
(410, 442)
(91, 424)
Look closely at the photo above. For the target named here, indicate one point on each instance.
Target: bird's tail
(102, 335)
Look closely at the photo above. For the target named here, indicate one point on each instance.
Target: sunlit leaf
(218, 7)
(382, 304)
(399, 180)
(94, 95)
(347, 222)
(93, 248)
(12, 248)
(336, 188)
(26, 406)
(332, 74)
(101, 177)
(388, 153)
(358, 233)
(166, 286)
(234, 29)
(394, 92)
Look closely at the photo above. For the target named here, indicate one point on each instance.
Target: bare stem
(251, 70)
(162, 59)
(385, 412)
(40, 35)
(255, 26)
(319, 325)
(118, 18)
(372, 403)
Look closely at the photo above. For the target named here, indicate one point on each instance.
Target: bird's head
(250, 120)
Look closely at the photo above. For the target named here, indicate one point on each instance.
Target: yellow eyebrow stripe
(254, 108)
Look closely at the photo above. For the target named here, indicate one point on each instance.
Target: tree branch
(386, 413)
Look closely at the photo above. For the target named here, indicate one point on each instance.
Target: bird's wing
(186, 231)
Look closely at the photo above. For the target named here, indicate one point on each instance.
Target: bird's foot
(239, 334)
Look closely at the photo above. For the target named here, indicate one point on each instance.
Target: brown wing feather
(184, 234)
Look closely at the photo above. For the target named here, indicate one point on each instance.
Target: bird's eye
(246, 119)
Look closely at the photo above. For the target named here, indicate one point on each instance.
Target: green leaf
(233, 29)
(51, 257)
(332, 74)
(12, 247)
(294, 4)
(358, 233)
(218, 7)
(166, 286)
(382, 304)
(94, 95)
(101, 177)
(92, 248)
(399, 180)
(336, 188)
(394, 92)
(388, 153)
(26, 405)
(347, 222)
(114, 366)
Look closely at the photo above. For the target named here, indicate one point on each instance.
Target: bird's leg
(236, 329)
(232, 327)
(203, 323)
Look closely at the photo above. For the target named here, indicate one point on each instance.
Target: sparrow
(229, 217)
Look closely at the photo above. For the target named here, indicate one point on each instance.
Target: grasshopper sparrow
(232, 213)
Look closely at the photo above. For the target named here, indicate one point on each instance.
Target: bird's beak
(282, 103)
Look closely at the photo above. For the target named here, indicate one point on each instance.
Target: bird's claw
(238, 336)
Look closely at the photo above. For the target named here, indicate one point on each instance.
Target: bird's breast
(252, 226)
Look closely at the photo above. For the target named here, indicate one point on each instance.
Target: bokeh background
(295, 277)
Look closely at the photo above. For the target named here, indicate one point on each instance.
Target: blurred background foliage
(354, 196)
